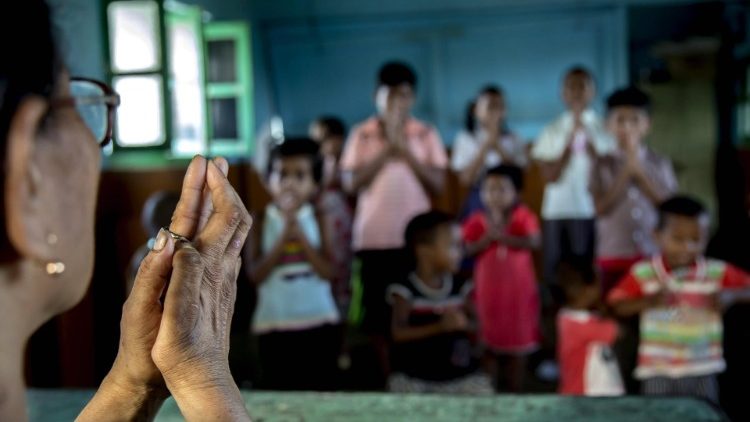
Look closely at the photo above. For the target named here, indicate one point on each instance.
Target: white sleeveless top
(293, 297)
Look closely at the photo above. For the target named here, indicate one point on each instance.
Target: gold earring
(54, 268)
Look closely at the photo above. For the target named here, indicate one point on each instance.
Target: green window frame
(175, 147)
(240, 89)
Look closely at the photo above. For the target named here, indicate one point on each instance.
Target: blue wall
(329, 65)
(313, 57)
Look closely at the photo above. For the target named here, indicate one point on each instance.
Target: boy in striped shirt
(679, 295)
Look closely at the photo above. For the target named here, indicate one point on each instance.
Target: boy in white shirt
(565, 151)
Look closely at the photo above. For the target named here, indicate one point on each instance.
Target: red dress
(506, 291)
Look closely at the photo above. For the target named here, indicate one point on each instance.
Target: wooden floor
(63, 405)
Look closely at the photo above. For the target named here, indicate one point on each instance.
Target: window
(185, 84)
(229, 87)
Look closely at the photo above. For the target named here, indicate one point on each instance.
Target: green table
(64, 405)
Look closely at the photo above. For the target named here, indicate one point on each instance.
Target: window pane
(222, 61)
(134, 36)
(140, 117)
(224, 118)
(188, 106)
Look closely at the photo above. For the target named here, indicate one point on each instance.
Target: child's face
(395, 102)
(682, 239)
(578, 91)
(629, 125)
(490, 110)
(445, 251)
(498, 193)
(291, 182)
(331, 146)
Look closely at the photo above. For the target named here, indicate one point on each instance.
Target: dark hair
(580, 70)
(629, 97)
(296, 147)
(30, 67)
(421, 229)
(333, 125)
(574, 274)
(680, 205)
(394, 73)
(470, 122)
(514, 173)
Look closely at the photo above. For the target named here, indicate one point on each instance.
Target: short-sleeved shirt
(569, 197)
(293, 297)
(587, 364)
(684, 337)
(395, 195)
(625, 230)
(507, 297)
(442, 357)
(466, 146)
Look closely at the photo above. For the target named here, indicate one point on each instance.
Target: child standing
(565, 150)
(502, 237)
(678, 295)
(430, 325)
(588, 366)
(627, 185)
(333, 203)
(485, 142)
(296, 315)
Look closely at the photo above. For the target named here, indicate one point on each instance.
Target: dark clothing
(300, 360)
(566, 239)
(379, 268)
(443, 357)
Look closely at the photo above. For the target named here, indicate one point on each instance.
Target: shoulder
(477, 219)
(368, 127)
(461, 287)
(416, 127)
(716, 269)
(523, 213)
(643, 270)
(404, 289)
(463, 137)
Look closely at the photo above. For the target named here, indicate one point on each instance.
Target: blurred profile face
(682, 239)
(490, 110)
(317, 131)
(578, 91)
(331, 146)
(498, 193)
(629, 125)
(395, 102)
(445, 251)
(68, 156)
(291, 182)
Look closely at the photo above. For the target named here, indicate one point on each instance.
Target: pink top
(395, 195)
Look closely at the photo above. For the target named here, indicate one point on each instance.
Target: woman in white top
(484, 143)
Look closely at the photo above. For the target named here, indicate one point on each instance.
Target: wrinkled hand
(192, 345)
(454, 320)
(142, 312)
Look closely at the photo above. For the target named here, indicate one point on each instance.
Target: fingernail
(161, 240)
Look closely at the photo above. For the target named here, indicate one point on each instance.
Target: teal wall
(314, 57)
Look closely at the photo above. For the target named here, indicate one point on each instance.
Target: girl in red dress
(502, 237)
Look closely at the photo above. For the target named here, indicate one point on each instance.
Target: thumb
(154, 272)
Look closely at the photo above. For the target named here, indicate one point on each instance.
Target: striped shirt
(683, 337)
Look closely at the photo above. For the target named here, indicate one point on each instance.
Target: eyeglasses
(95, 102)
